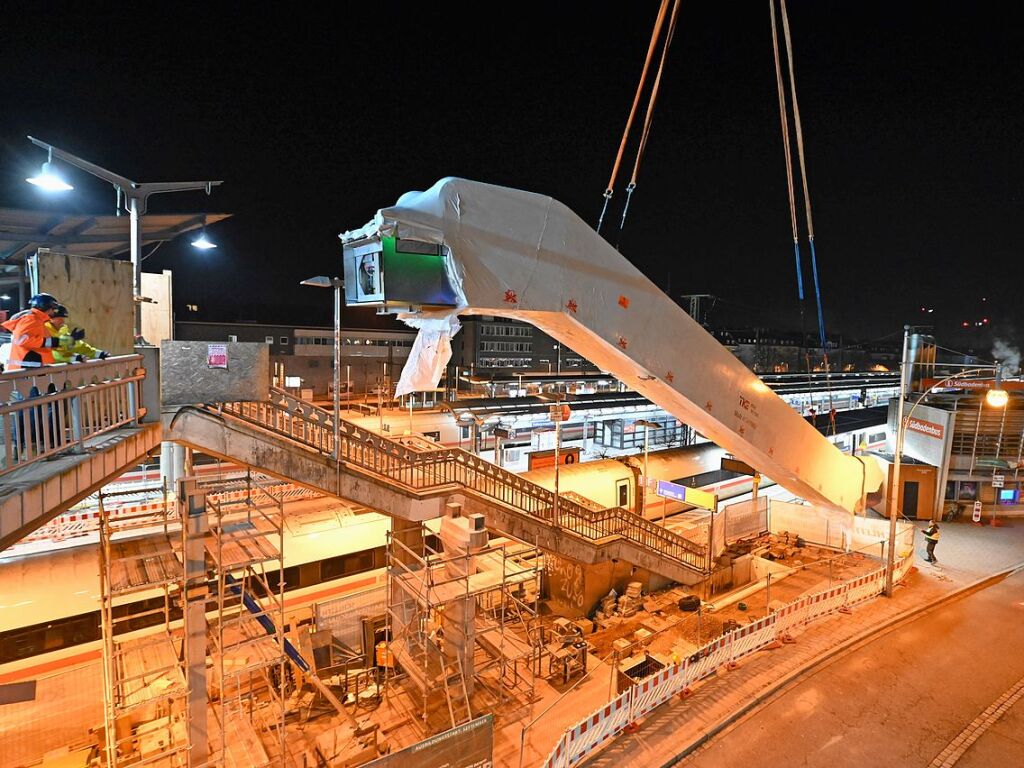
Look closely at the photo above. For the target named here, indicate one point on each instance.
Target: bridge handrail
(16, 385)
(424, 470)
(38, 426)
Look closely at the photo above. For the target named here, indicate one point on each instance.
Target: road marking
(963, 741)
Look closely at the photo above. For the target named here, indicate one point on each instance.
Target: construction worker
(31, 343)
(931, 537)
(71, 349)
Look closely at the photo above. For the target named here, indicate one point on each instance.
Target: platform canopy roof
(23, 232)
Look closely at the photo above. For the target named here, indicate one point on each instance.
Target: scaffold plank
(143, 563)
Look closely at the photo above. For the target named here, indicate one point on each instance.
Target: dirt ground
(674, 630)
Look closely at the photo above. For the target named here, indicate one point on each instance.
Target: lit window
(268, 339)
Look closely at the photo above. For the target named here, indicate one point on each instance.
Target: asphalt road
(900, 699)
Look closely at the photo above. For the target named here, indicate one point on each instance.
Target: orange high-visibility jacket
(31, 343)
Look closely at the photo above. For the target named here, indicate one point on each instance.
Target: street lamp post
(337, 284)
(135, 194)
(648, 426)
(995, 397)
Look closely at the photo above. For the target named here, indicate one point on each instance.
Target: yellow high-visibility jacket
(67, 347)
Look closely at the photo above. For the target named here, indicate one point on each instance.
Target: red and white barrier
(656, 690)
(865, 587)
(607, 722)
(709, 658)
(589, 734)
(752, 637)
(824, 603)
(82, 523)
(790, 617)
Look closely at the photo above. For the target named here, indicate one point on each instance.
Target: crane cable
(798, 129)
(649, 117)
(784, 119)
(609, 190)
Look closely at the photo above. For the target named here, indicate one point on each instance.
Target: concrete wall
(186, 377)
(575, 589)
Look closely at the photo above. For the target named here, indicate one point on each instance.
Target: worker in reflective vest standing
(931, 537)
(31, 342)
(72, 347)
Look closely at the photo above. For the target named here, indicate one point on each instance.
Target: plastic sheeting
(525, 256)
(430, 352)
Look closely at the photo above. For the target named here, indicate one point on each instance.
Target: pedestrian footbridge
(66, 431)
(293, 439)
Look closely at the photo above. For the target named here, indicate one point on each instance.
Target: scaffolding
(145, 686)
(245, 546)
(464, 623)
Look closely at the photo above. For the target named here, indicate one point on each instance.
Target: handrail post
(76, 424)
(133, 409)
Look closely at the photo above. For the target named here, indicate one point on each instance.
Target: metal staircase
(450, 470)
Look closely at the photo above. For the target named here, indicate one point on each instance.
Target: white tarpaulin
(525, 256)
(430, 353)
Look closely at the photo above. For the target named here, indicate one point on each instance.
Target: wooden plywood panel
(158, 313)
(97, 293)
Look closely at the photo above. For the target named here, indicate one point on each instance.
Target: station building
(963, 451)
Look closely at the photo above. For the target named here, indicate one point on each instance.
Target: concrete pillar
(178, 459)
(195, 619)
(167, 476)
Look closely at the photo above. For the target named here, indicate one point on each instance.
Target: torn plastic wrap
(430, 353)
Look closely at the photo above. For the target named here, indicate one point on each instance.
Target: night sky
(912, 120)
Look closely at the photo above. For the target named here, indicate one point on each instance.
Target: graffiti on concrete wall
(566, 580)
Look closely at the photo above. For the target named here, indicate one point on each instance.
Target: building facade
(764, 350)
(303, 357)
(496, 345)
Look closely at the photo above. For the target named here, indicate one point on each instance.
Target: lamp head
(202, 242)
(997, 397)
(320, 281)
(49, 180)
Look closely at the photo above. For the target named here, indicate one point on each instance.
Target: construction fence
(579, 741)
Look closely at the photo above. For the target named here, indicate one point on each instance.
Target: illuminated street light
(202, 242)
(320, 281)
(136, 199)
(996, 397)
(48, 178)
